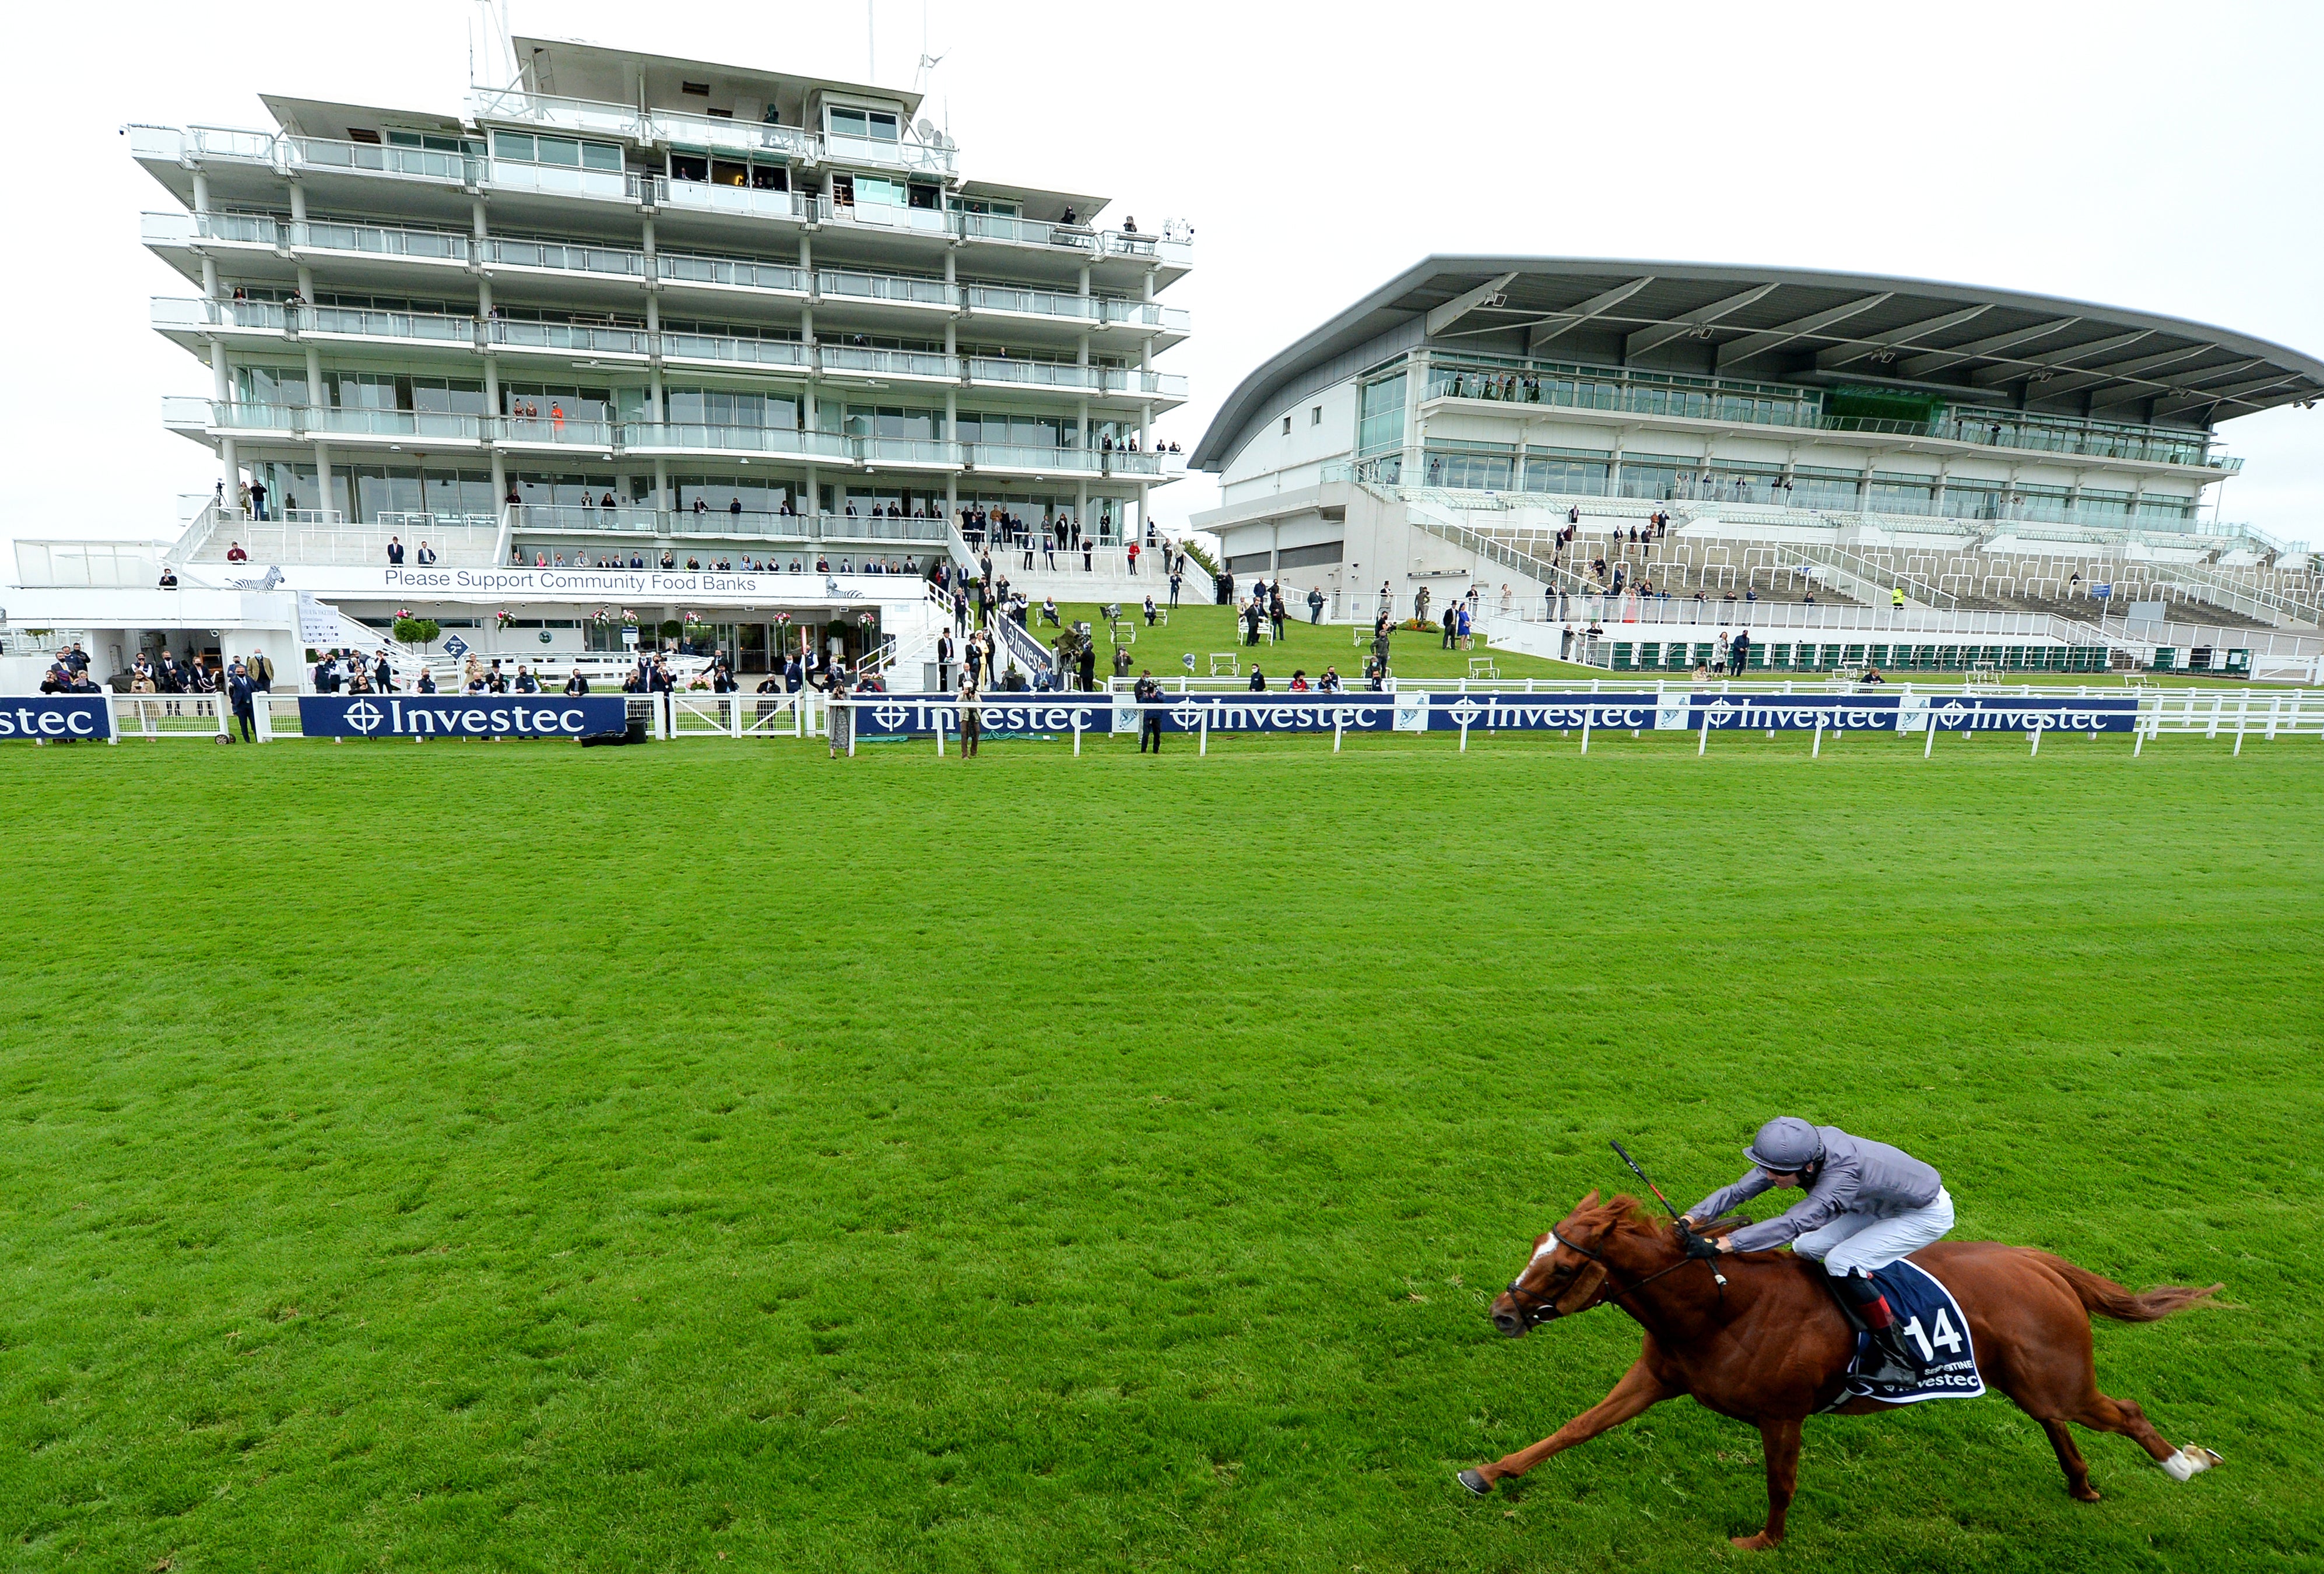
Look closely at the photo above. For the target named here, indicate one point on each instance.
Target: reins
(1547, 1308)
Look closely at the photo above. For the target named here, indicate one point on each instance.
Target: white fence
(2241, 714)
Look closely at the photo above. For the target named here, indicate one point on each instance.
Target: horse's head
(1567, 1272)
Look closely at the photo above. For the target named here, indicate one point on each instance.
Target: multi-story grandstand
(625, 310)
(2036, 477)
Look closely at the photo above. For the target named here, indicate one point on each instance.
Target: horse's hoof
(1477, 1484)
(1759, 1543)
(2084, 1494)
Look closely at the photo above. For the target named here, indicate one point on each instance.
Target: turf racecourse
(712, 1156)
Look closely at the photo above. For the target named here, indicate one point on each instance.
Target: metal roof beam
(2226, 393)
(1663, 333)
(1760, 344)
(1840, 354)
(1558, 322)
(1977, 350)
(2133, 372)
(2133, 394)
(1462, 305)
(2017, 369)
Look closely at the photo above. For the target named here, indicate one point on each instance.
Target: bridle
(1539, 1306)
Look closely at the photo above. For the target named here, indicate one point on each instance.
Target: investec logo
(451, 719)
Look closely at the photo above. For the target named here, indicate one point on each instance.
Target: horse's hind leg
(2071, 1460)
(2100, 1414)
(1779, 1442)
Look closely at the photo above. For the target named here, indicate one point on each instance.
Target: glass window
(879, 191)
(846, 122)
(513, 145)
(559, 150)
(600, 156)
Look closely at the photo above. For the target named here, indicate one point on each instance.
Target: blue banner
(55, 717)
(1538, 713)
(998, 716)
(2026, 714)
(460, 715)
(1360, 711)
(1794, 713)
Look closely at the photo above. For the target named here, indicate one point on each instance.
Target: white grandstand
(2025, 472)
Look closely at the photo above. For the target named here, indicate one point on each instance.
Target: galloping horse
(1771, 1346)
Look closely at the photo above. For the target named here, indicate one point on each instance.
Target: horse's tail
(2107, 1299)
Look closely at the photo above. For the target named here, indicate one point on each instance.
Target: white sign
(630, 635)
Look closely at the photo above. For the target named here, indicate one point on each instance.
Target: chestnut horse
(1772, 1347)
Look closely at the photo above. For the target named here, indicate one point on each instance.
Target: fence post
(734, 717)
(1928, 748)
(853, 717)
(1703, 743)
(1203, 747)
(112, 719)
(2243, 709)
(1339, 723)
(1817, 752)
(1588, 711)
(2037, 743)
(1077, 731)
(940, 722)
(1464, 737)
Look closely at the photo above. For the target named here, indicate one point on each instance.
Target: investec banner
(54, 717)
(1536, 713)
(2024, 713)
(459, 716)
(1285, 712)
(1878, 712)
(897, 716)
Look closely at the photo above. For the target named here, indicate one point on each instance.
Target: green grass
(523, 1158)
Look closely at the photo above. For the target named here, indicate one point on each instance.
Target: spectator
(1739, 653)
(1177, 577)
(1149, 695)
(235, 553)
(525, 681)
(1150, 612)
(426, 684)
(1314, 605)
(261, 670)
(245, 701)
(577, 686)
(1121, 661)
(1299, 680)
(1258, 680)
(1329, 681)
(972, 716)
(426, 553)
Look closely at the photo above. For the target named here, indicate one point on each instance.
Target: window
(1286, 426)
(356, 134)
(699, 90)
(1316, 416)
(867, 123)
(564, 152)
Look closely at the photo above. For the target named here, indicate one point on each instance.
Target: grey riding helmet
(1786, 1144)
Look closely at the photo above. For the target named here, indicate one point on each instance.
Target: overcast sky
(2157, 157)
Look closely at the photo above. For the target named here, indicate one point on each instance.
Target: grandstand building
(2016, 465)
(624, 310)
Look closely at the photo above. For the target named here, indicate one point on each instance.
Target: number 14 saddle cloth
(1930, 1323)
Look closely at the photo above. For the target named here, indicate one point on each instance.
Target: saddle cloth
(1930, 1322)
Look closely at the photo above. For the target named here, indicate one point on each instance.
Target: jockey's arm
(1831, 1193)
(1755, 1181)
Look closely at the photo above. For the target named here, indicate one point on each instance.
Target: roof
(571, 68)
(1788, 324)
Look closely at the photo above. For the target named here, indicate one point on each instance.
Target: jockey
(1867, 1205)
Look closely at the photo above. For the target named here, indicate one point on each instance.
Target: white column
(1416, 432)
(323, 478)
(299, 213)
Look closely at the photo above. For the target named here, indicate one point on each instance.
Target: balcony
(566, 339)
(1025, 232)
(717, 132)
(553, 431)
(685, 436)
(730, 273)
(541, 524)
(720, 350)
(1022, 458)
(889, 289)
(916, 158)
(992, 299)
(1010, 373)
(919, 365)
(563, 257)
(739, 201)
(1148, 314)
(309, 153)
(1129, 379)
(515, 176)
(514, 106)
(881, 215)
(907, 453)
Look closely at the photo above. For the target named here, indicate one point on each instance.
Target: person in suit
(426, 684)
(944, 661)
(382, 676)
(243, 698)
(394, 550)
(525, 681)
(576, 685)
(1149, 695)
(972, 716)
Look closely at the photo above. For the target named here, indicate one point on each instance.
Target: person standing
(1314, 605)
(1149, 695)
(394, 551)
(261, 670)
(972, 716)
(244, 700)
(1739, 653)
(840, 717)
(1177, 577)
(944, 660)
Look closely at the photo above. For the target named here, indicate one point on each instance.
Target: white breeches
(1862, 1240)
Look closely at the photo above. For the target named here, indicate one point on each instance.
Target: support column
(1416, 430)
(297, 213)
(1614, 469)
(323, 479)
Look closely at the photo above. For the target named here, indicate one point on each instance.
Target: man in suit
(944, 661)
(245, 701)
(260, 669)
(576, 685)
(382, 676)
(394, 551)
(1149, 695)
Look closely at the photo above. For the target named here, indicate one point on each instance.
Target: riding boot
(1887, 1360)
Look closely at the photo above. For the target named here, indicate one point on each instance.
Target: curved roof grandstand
(1961, 345)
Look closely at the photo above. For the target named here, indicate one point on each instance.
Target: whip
(1665, 1202)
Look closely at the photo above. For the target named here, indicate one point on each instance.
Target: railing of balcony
(1033, 374)
(993, 226)
(888, 362)
(218, 141)
(1148, 314)
(514, 104)
(1036, 302)
(732, 271)
(702, 436)
(1130, 379)
(582, 338)
(905, 451)
(416, 164)
(555, 431)
(378, 239)
(710, 131)
(566, 257)
(555, 179)
(1027, 456)
(899, 289)
(746, 201)
(707, 521)
(744, 352)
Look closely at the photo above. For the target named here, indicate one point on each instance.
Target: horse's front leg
(1779, 1440)
(1639, 1389)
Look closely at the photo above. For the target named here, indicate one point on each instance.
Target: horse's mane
(1620, 1212)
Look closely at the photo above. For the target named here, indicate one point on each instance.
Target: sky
(2147, 156)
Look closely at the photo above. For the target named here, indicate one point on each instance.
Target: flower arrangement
(782, 620)
(503, 618)
(630, 616)
(692, 619)
(867, 620)
(602, 616)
